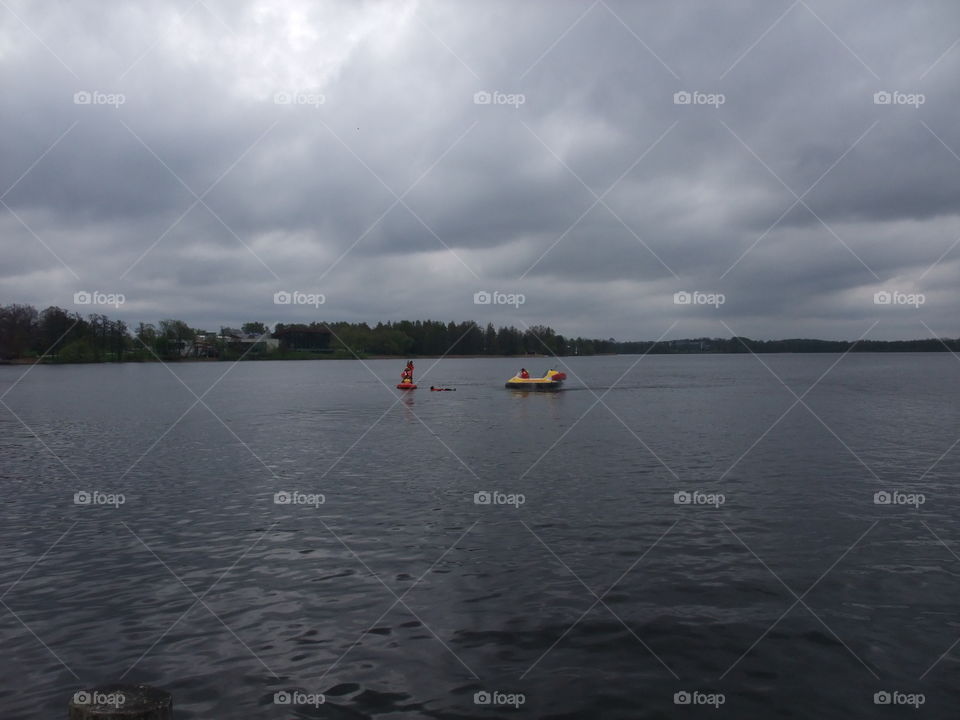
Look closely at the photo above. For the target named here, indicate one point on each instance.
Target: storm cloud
(398, 157)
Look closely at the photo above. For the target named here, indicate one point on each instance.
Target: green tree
(254, 328)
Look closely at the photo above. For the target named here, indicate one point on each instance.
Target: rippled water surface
(401, 597)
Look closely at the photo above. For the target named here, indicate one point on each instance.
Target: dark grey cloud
(304, 195)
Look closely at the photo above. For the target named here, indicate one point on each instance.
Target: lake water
(781, 584)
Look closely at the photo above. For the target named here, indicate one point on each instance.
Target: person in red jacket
(407, 374)
(524, 374)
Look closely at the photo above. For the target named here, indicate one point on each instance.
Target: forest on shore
(58, 335)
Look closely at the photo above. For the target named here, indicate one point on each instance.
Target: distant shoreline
(318, 356)
(329, 357)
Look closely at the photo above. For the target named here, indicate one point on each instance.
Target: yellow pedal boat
(553, 380)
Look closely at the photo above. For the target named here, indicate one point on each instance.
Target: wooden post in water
(121, 702)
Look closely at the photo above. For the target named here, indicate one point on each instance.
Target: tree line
(59, 335)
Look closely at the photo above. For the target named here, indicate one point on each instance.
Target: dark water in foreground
(598, 597)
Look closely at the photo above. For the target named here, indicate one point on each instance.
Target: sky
(635, 170)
